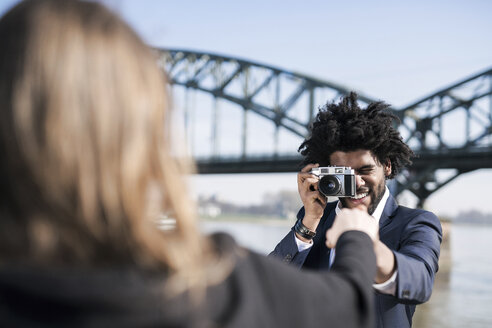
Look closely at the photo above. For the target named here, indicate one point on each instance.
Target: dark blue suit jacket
(414, 236)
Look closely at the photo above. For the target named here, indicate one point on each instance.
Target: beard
(376, 196)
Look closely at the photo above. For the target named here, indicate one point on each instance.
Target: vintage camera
(335, 181)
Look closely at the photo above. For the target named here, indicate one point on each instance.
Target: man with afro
(408, 249)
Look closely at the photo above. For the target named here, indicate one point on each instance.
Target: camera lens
(329, 185)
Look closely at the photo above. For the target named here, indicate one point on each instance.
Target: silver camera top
(320, 171)
(338, 181)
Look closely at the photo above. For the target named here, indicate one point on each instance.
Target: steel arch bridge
(449, 130)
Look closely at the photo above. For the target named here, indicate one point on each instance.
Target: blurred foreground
(463, 289)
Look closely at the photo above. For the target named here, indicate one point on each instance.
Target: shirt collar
(379, 209)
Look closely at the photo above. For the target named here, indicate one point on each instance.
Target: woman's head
(85, 142)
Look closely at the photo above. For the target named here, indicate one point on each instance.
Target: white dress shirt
(387, 287)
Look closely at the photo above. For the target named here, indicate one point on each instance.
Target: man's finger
(302, 177)
(310, 181)
(308, 167)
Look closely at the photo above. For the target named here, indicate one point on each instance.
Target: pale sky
(397, 51)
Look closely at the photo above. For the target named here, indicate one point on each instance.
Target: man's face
(370, 176)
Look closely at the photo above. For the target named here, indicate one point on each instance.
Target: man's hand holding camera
(314, 202)
(315, 184)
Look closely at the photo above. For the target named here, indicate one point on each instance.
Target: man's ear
(387, 168)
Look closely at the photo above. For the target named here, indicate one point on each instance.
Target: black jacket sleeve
(264, 292)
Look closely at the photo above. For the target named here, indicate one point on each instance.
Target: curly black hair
(346, 127)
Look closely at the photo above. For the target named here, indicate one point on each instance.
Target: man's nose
(359, 181)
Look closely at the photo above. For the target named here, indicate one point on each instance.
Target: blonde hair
(86, 164)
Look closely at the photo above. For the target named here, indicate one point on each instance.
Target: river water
(462, 295)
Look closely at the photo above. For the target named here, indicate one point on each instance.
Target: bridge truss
(450, 130)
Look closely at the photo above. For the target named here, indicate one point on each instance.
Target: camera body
(336, 181)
